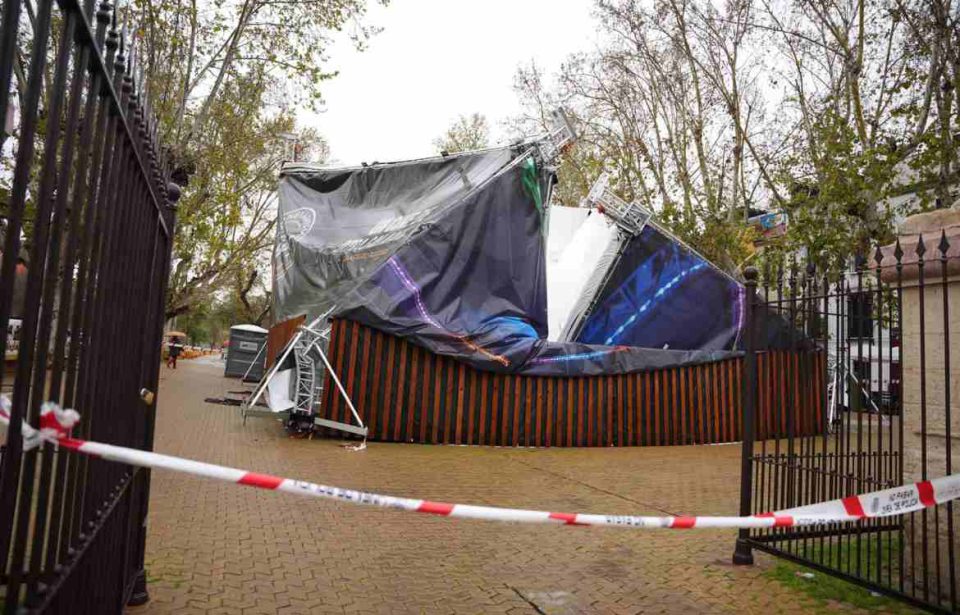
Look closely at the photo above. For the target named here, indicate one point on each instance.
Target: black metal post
(743, 554)
(140, 595)
(100, 245)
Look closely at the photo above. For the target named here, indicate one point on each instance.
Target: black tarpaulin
(447, 252)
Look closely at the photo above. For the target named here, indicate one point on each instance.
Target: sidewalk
(218, 548)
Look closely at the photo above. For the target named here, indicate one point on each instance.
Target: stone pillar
(936, 341)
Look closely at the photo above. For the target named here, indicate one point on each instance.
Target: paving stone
(232, 549)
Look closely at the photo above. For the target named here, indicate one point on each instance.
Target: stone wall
(924, 387)
(936, 345)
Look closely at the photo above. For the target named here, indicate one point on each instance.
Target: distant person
(20, 284)
(173, 351)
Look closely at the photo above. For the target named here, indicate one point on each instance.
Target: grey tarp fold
(447, 252)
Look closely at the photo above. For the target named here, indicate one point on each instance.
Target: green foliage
(209, 323)
(468, 132)
(835, 213)
(843, 115)
(225, 78)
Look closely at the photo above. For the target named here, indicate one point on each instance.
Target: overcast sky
(435, 60)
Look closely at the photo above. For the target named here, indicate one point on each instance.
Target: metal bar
(921, 249)
(87, 35)
(336, 380)
(360, 431)
(14, 464)
(263, 348)
(948, 435)
(742, 554)
(83, 149)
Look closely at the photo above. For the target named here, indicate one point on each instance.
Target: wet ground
(218, 548)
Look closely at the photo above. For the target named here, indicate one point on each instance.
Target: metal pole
(343, 391)
(254, 362)
(269, 376)
(743, 554)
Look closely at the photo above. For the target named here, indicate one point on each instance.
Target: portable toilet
(247, 352)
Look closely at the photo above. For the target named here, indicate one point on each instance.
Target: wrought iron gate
(887, 417)
(88, 230)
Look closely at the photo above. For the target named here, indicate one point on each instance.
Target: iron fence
(885, 326)
(88, 229)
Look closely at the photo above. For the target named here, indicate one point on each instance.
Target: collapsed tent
(451, 253)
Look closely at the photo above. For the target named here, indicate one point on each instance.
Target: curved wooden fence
(405, 393)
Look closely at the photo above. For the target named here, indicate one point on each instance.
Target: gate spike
(944, 244)
(921, 248)
(898, 252)
(878, 256)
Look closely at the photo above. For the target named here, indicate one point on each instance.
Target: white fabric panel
(561, 227)
(278, 391)
(581, 244)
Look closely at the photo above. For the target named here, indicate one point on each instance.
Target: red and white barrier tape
(886, 503)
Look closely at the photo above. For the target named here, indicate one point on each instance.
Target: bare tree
(706, 112)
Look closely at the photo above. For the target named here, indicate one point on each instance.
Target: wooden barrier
(405, 393)
(279, 335)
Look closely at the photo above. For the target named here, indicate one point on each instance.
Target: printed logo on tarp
(13, 337)
(292, 225)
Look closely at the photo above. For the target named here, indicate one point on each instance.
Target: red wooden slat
(784, 383)
(518, 393)
(670, 399)
(594, 386)
(697, 394)
(374, 407)
(728, 412)
(644, 403)
(622, 391)
(412, 381)
(426, 389)
(526, 409)
(341, 337)
(682, 377)
(484, 393)
(471, 385)
(710, 401)
(580, 411)
(361, 398)
(608, 409)
(388, 392)
(700, 403)
(327, 380)
(761, 423)
(280, 334)
(458, 426)
(551, 407)
(636, 400)
(655, 408)
(732, 410)
(506, 403)
(397, 410)
(351, 371)
(538, 418)
(400, 394)
(738, 396)
(629, 407)
(450, 410)
(437, 374)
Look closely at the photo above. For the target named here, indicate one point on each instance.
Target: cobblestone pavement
(218, 548)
